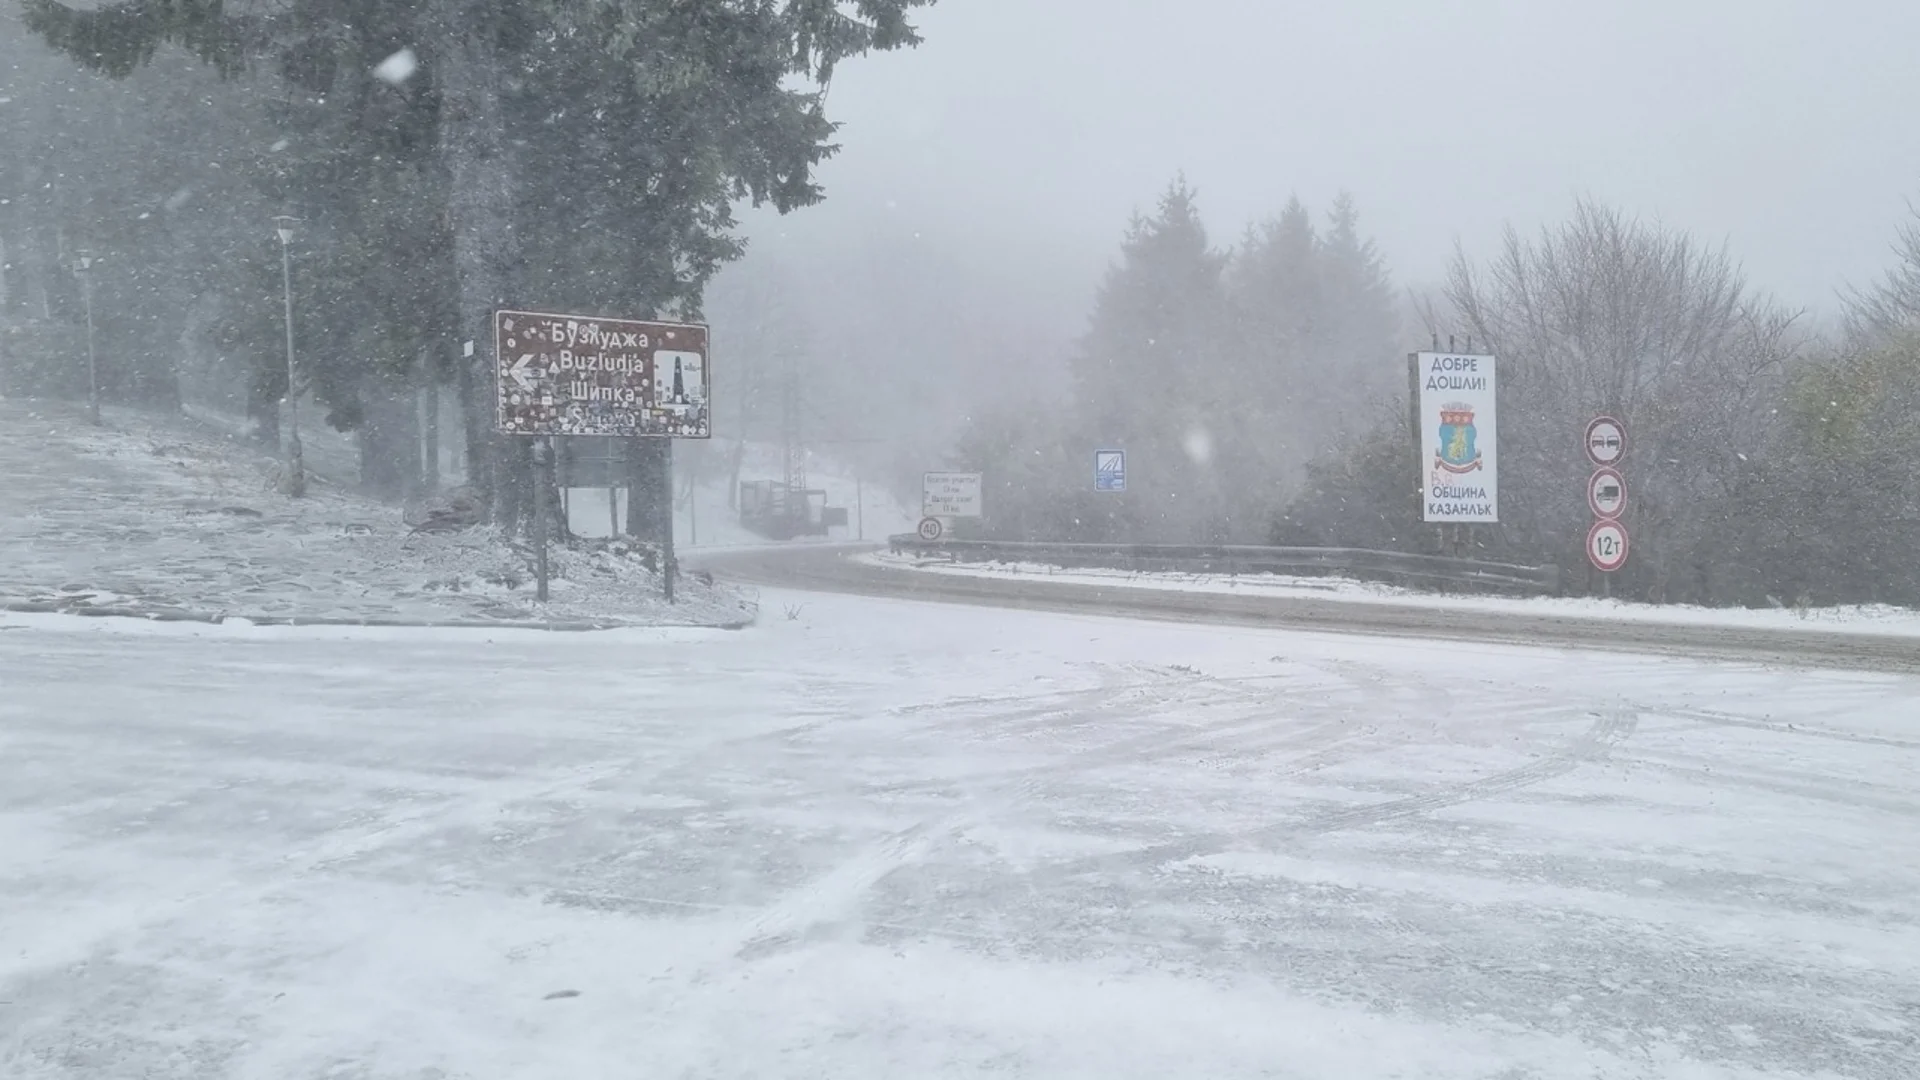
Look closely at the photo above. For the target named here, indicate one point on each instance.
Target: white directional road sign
(950, 494)
(1109, 470)
(1606, 441)
(1606, 493)
(1607, 546)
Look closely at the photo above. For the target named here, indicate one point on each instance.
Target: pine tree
(670, 111)
(1358, 327)
(1276, 297)
(1149, 373)
(1314, 329)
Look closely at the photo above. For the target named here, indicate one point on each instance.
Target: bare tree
(1882, 312)
(1608, 314)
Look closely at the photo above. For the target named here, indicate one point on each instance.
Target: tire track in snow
(1720, 719)
(833, 898)
(1262, 725)
(1613, 727)
(1609, 729)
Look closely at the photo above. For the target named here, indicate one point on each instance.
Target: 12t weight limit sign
(1607, 546)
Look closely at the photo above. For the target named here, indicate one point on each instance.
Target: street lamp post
(296, 467)
(82, 268)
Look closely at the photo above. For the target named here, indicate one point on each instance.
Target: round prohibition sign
(1607, 493)
(931, 529)
(1606, 441)
(1607, 546)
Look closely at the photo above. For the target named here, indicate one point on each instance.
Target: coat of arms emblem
(1457, 452)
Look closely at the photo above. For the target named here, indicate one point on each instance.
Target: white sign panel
(950, 494)
(1459, 444)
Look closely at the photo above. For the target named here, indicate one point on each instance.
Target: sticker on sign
(950, 494)
(584, 375)
(1607, 546)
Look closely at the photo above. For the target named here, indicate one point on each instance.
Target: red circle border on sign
(1586, 441)
(1606, 470)
(1626, 545)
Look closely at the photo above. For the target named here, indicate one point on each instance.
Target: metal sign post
(542, 454)
(667, 567)
(83, 267)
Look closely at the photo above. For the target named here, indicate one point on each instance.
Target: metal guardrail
(1392, 567)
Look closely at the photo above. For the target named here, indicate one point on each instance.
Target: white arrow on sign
(518, 372)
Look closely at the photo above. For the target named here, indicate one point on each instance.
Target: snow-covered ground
(1880, 619)
(164, 518)
(887, 839)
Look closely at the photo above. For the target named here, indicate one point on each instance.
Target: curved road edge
(826, 568)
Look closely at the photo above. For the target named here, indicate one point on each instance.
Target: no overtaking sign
(1606, 441)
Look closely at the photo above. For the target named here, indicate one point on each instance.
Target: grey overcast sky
(1026, 131)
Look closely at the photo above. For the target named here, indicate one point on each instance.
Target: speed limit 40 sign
(1607, 546)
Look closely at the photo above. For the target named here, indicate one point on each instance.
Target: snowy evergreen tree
(1151, 376)
(1358, 330)
(573, 152)
(1275, 291)
(1315, 330)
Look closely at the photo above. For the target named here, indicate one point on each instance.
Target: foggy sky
(1024, 132)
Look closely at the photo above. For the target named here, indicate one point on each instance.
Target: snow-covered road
(886, 839)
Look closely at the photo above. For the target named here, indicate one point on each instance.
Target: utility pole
(296, 465)
(83, 269)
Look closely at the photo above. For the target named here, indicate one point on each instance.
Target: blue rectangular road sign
(1109, 470)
